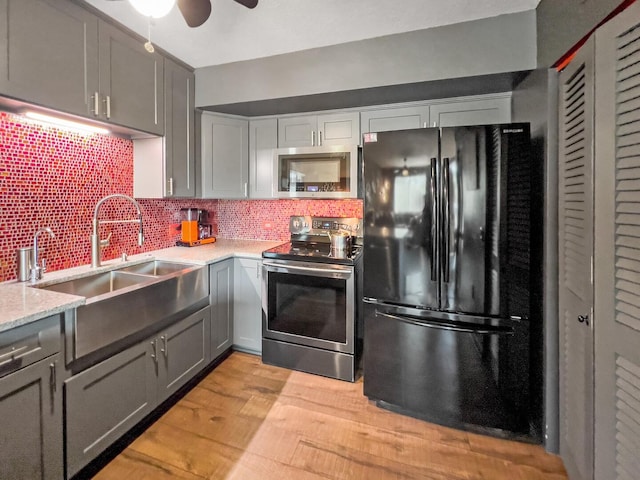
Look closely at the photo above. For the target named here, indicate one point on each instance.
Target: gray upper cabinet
(224, 158)
(400, 118)
(263, 138)
(58, 55)
(131, 90)
(48, 54)
(471, 112)
(179, 87)
(316, 130)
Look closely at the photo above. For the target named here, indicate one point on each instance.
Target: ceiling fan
(195, 12)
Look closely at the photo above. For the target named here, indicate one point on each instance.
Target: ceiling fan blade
(195, 12)
(248, 3)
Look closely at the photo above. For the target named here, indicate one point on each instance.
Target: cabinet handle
(52, 377)
(245, 190)
(165, 350)
(107, 101)
(154, 355)
(95, 98)
(313, 138)
(319, 138)
(171, 186)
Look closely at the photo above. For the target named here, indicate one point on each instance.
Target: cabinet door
(247, 306)
(221, 288)
(224, 156)
(48, 53)
(179, 130)
(297, 131)
(106, 400)
(339, 129)
(131, 82)
(617, 248)
(263, 138)
(390, 119)
(575, 255)
(183, 351)
(471, 112)
(31, 412)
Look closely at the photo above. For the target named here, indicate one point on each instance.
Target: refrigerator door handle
(434, 217)
(446, 220)
(478, 330)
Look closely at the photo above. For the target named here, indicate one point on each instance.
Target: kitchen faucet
(36, 271)
(96, 243)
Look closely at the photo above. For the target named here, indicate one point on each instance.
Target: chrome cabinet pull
(319, 137)
(171, 186)
(107, 102)
(95, 98)
(313, 138)
(53, 382)
(154, 355)
(165, 350)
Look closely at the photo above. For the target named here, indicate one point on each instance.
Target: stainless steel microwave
(316, 172)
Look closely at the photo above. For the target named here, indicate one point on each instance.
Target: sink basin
(124, 306)
(99, 284)
(156, 268)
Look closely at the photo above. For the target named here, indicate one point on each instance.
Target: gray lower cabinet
(221, 299)
(48, 53)
(224, 156)
(105, 401)
(247, 305)
(31, 443)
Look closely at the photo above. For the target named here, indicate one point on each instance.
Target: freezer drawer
(460, 371)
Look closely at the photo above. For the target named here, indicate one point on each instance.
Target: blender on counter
(193, 228)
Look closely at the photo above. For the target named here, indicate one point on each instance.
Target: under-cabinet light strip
(67, 124)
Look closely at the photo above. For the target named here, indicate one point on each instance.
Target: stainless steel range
(311, 298)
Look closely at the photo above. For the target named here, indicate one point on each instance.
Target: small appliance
(193, 228)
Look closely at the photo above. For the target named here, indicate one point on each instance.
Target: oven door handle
(325, 272)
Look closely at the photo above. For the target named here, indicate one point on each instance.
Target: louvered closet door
(575, 262)
(617, 248)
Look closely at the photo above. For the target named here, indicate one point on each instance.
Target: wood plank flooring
(246, 420)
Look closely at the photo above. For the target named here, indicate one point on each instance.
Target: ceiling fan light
(153, 8)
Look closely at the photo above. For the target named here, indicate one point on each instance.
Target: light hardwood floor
(246, 420)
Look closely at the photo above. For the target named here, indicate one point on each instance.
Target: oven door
(309, 304)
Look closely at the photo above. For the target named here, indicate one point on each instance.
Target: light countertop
(21, 303)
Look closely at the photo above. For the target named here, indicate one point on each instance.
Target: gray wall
(562, 23)
(535, 100)
(506, 43)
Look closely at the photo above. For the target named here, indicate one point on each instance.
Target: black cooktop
(313, 252)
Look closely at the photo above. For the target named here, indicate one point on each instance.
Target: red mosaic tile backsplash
(53, 178)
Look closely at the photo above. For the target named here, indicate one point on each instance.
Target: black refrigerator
(452, 276)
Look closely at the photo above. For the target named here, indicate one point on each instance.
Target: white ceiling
(235, 33)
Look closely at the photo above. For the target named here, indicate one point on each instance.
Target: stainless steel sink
(125, 305)
(96, 285)
(156, 268)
